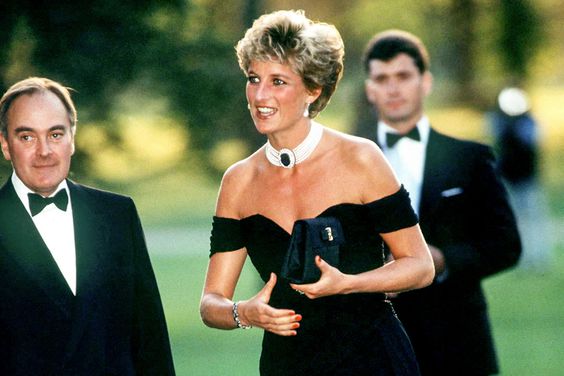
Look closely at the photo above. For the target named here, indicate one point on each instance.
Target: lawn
(526, 310)
(199, 350)
(528, 319)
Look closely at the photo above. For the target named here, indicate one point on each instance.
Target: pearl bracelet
(236, 317)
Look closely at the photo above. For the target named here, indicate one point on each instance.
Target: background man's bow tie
(393, 138)
(37, 202)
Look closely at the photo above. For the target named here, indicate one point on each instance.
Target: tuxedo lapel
(91, 238)
(22, 242)
(374, 136)
(435, 172)
(92, 244)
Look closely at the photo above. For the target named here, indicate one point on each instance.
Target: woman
(341, 324)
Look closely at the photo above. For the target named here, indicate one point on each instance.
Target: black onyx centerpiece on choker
(288, 158)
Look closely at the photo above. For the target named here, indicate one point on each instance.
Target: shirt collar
(22, 190)
(423, 125)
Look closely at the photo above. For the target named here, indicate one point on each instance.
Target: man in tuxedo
(79, 296)
(462, 206)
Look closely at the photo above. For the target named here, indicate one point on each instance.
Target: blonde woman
(342, 323)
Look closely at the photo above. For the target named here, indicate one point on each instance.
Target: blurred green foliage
(160, 95)
(519, 43)
(176, 58)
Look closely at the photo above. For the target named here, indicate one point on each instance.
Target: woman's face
(277, 96)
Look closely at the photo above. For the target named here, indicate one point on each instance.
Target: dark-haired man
(463, 209)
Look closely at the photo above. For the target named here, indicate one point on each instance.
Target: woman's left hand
(330, 283)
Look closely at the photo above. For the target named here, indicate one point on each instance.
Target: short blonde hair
(314, 50)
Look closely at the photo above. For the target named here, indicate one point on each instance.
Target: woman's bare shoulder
(356, 150)
(369, 169)
(235, 182)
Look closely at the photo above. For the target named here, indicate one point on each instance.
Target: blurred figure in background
(463, 211)
(517, 145)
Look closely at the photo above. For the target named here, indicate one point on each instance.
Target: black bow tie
(38, 202)
(393, 138)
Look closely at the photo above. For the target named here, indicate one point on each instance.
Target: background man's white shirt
(407, 158)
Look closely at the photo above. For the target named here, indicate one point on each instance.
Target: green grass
(197, 349)
(526, 311)
(176, 206)
(528, 319)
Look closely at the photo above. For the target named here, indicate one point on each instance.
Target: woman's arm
(216, 306)
(222, 275)
(412, 266)
(224, 269)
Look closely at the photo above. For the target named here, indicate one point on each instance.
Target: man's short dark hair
(390, 43)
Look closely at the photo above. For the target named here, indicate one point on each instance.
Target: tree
(520, 37)
(462, 31)
(96, 47)
(181, 51)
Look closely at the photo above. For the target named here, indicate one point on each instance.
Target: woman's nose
(263, 91)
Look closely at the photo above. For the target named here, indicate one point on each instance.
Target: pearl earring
(306, 111)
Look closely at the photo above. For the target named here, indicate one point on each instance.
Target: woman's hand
(330, 283)
(257, 312)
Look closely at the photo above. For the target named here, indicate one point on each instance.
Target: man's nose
(392, 86)
(43, 147)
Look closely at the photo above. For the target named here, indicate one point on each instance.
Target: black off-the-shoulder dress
(355, 334)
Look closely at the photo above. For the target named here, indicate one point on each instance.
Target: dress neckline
(325, 211)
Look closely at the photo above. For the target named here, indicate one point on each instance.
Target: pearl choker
(289, 158)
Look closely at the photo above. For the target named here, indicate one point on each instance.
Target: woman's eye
(278, 82)
(253, 79)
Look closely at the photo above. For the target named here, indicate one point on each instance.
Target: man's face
(39, 141)
(397, 89)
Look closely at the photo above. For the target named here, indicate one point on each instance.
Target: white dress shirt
(56, 228)
(407, 158)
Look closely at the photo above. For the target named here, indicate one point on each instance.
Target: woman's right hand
(257, 312)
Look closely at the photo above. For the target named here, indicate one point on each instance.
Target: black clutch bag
(321, 236)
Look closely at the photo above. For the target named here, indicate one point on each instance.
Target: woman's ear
(314, 94)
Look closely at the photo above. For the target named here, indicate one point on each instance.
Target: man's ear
(5, 148)
(73, 133)
(427, 83)
(367, 91)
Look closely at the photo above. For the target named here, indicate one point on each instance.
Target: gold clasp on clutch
(329, 234)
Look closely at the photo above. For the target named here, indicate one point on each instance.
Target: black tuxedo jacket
(113, 326)
(464, 211)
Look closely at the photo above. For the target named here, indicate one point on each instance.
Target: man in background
(462, 206)
(79, 296)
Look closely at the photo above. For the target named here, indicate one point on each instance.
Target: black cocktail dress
(355, 334)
